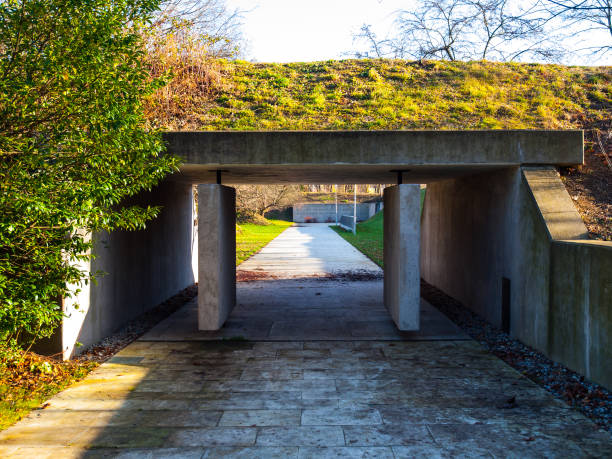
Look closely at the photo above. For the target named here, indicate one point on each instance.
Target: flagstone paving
(315, 370)
(305, 399)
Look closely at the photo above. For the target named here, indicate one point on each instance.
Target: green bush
(73, 144)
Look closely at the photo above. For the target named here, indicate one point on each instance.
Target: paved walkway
(173, 394)
(309, 250)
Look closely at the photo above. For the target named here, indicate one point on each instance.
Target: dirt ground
(590, 186)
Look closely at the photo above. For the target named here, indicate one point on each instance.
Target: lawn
(369, 237)
(251, 238)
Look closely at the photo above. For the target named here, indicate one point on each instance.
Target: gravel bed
(110, 345)
(593, 400)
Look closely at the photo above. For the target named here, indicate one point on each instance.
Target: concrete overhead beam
(353, 156)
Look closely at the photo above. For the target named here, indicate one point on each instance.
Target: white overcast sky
(315, 30)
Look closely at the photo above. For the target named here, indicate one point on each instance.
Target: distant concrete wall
(493, 241)
(143, 269)
(326, 213)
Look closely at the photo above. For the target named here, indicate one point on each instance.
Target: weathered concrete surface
(326, 213)
(307, 309)
(482, 229)
(143, 269)
(402, 254)
(217, 255)
(581, 308)
(364, 156)
(555, 205)
(309, 250)
(304, 399)
(469, 237)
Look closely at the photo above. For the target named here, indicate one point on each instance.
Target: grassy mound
(391, 94)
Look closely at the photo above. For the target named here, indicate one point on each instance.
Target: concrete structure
(509, 245)
(326, 213)
(138, 270)
(217, 255)
(348, 157)
(492, 227)
(402, 291)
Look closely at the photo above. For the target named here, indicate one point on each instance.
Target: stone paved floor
(304, 399)
(307, 309)
(369, 393)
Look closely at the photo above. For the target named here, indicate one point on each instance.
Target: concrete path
(304, 400)
(309, 250)
(176, 394)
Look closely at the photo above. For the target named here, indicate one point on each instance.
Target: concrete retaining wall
(326, 213)
(493, 241)
(469, 238)
(144, 268)
(581, 308)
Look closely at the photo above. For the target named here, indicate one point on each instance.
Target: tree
(585, 16)
(73, 145)
(208, 21)
(464, 30)
(259, 199)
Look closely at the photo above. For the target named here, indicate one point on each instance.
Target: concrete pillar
(216, 255)
(401, 255)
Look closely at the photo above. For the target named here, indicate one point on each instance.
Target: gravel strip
(593, 400)
(110, 345)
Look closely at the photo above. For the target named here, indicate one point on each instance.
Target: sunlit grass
(392, 94)
(369, 238)
(251, 238)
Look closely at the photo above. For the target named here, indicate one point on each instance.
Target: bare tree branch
(466, 30)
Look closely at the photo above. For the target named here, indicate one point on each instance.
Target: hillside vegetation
(387, 94)
(397, 94)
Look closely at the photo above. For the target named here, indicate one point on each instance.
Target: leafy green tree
(73, 145)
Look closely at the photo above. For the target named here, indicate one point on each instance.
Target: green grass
(369, 238)
(392, 94)
(251, 238)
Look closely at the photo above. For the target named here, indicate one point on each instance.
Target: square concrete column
(401, 245)
(216, 255)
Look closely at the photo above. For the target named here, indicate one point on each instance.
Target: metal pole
(336, 188)
(355, 209)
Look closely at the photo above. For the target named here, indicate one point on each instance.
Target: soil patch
(350, 276)
(590, 186)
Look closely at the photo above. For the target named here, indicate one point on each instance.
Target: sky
(316, 30)
(308, 30)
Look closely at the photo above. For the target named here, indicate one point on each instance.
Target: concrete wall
(581, 313)
(478, 231)
(326, 213)
(216, 255)
(468, 238)
(143, 269)
(402, 291)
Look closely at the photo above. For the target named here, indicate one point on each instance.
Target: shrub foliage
(73, 144)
